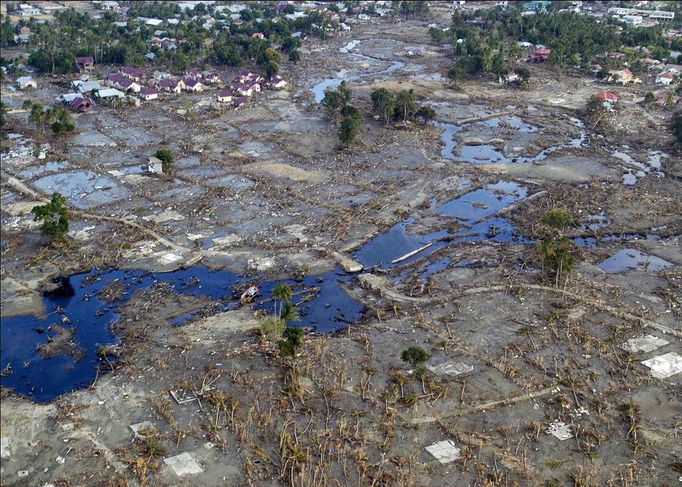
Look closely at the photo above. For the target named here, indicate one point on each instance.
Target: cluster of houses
(130, 81)
(245, 84)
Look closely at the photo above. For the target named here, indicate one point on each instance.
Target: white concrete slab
(665, 366)
(183, 464)
(453, 369)
(444, 451)
(645, 344)
(4, 447)
(559, 430)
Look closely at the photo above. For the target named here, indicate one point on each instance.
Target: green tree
(3, 114)
(349, 130)
(60, 119)
(558, 218)
(384, 103)
(404, 105)
(416, 357)
(425, 113)
(295, 56)
(166, 157)
(281, 293)
(288, 347)
(54, 215)
(649, 97)
(437, 35)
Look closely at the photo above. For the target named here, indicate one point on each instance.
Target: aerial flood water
(77, 313)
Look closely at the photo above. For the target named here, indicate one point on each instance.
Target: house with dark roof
(276, 82)
(239, 101)
(172, 85)
(149, 94)
(132, 73)
(81, 105)
(194, 73)
(192, 84)
(123, 83)
(85, 63)
(225, 96)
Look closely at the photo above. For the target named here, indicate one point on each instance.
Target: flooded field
(127, 351)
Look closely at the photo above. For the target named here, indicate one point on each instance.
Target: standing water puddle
(78, 319)
(633, 259)
(319, 89)
(487, 153)
(472, 210)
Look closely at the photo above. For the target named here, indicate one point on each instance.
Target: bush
(415, 356)
(166, 158)
(54, 215)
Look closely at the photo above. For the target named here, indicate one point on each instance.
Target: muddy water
(488, 153)
(472, 211)
(78, 309)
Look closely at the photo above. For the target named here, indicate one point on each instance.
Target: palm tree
(282, 294)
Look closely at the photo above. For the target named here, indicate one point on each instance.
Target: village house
(67, 98)
(540, 55)
(123, 83)
(276, 82)
(246, 89)
(192, 84)
(85, 63)
(85, 86)
(132, 73)
(211, 78)
(110, 94)
(81, 105)
(172, 85)
(607, 98)
(149, 94)
(26, 82)
(193, 73)
(225, 96)
(239, 101)
(622, 76)
(665, 78)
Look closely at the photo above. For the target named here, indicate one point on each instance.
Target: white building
(26, 82)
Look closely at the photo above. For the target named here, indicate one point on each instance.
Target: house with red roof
(607, 96)
(540, 55)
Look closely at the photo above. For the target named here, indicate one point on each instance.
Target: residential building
(26, 82)
(123, 83)
(192, 84)
(225, 96)
(276, 82)
(540, 55)
(81, 105)
(85, 63)
(110, 93)
(132, 73)
(172, 85)
(665, 78)
(149, 94)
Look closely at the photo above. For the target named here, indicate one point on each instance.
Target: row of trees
(73, 34)
(399, 106)
(58, 118)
